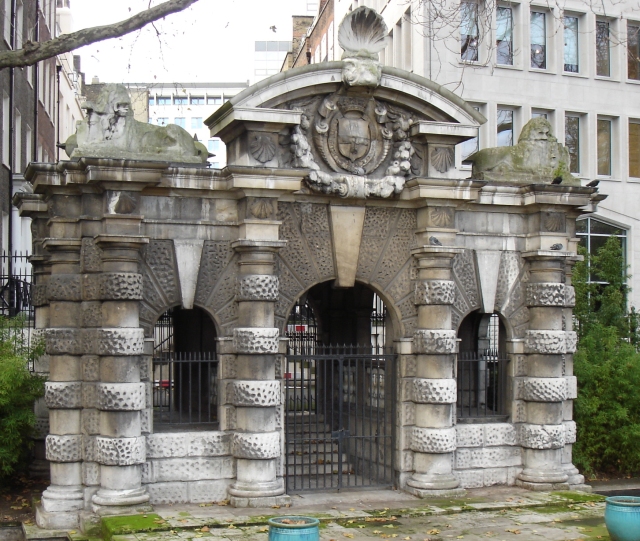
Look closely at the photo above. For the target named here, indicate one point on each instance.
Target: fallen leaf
(512, 530)
(275, 507)
(204, 529)
(433, 532)
(352, 509)
(349, 535)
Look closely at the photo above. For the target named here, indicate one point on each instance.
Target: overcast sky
(212, 41)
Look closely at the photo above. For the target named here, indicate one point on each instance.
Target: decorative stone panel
(64, 448)
(543, 389)
(433, 440)
(167, 445)
(91, 421)
(572, 341)
(255, 393)
(471, 435)
(188, 469)
(255, 340)
(39, 296)
(500, 434)
(89, 448)
(120, 451)
(89, 395)
(64, 341)
(435, 292)
(549, 342)
(488, 457)
(550, 294)
(63, 395)
(257, 287)
(121, 396)
(434, 341)
(433, 391)
(572, 387)
(120, 286)
(569, 431)
(257, 446)
(541, 436)
(64, 287)
(119, 341)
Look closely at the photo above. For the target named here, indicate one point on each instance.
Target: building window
(197, 100)
(604, 147)
(213, 145)
(538, 40)
(469, 31)
(536, 114)
(269, 56)
(505, 127)
(152, 101)
(164, 100)
(593, 235)
(180, 100)
(180, 121)
(163, 121)
(504, 36)
(633, 51)
(17, 142)
(214, 100)
(196, 123)
(603, 55)
(572, 141)
(5, 129)
(470, 146)
(571, 44)
(634, 149)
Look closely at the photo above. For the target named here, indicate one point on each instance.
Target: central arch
(340, 390)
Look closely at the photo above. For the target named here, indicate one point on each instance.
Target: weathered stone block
(64, 448)
(209, 444)
(470, 478)
(487, 457)
(256, 445)
(549, 294)
(89, 395)
(433, 391)
(546, 342)
(257, 287)
(91, 421)
(64, 341)
(541, 436)
(120, 286)
(569, 432)
(167, 493)
(469, 435)
(255, 340)
(256, 393)
(500, 434)
(572, 387)
(39, 296)
(434, 341)
(543, 389)
(119, 341)
(121, 396)
(64, 287)
(90, 367)
(208, 491)
(435, 292)
(433, 440)
(90, 473)
(495, 476)
(120, 451)
(89, 448)
(190, 469)
(63, 395)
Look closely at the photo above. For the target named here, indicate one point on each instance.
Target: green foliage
(607, 365)
(18, 391)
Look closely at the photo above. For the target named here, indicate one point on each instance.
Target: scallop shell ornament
(362, 33)
(262, 148)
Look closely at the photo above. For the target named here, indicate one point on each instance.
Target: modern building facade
(576, 65)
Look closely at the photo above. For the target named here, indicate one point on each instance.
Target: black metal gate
(339, 417)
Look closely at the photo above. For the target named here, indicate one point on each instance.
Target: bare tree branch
(35, 52)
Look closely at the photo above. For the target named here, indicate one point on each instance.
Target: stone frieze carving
(433, 440)
(64, 448)
(256, 445)
(435, 292)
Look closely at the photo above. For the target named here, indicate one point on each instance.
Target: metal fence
(482, 381)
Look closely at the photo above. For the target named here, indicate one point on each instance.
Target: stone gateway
(339, 306)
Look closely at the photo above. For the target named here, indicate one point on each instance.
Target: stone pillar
(546, 386)
(121, 396)
(433, 390)
(256, 393)
(64, 498)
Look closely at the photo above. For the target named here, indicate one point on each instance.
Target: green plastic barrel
(294, 529)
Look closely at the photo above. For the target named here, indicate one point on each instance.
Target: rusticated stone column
(547, 385)
(64, 498)
(433, 438)
(255, 393)
(121, 396)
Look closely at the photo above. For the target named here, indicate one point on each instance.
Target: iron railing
(185, 388)
(481, 381)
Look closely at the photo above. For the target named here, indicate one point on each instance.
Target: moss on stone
(128, 524)
(580, 496)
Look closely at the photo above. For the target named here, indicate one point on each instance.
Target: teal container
(622, 518)
(307, 531)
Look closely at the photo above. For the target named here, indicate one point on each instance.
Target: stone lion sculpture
(538, 158)
(110, 131)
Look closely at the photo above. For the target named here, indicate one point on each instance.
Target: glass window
(180, 121)
(634, 149)
(604, 147)
(572, 141)
(538, 40)
(214, 100)
(178, 100)
(196, 123)
(593, 234)
(603, 57)
(152, 100)
(197, 100)
(633, 52)
(538, 114)
(164, 100)
(571, 44)
(505, 127)
(470, 146)
(504, 36)
(469, 35)
(163, 121)
(213, 145)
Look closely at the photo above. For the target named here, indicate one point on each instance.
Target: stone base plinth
(430, 493)
(262, 501)
(542, 487)
(56, 520)
(109, 510)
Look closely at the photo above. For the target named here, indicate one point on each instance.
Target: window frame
(475, 58)
(578, 117)
(608, 41)
(624, 239)
(506, 109)
(636, 38)
(544, 13)
(609, 120)
(511, 8)
(576, 17)
(635, 122)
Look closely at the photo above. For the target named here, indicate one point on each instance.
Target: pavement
(500, 513)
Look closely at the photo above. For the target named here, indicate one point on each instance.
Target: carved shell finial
(362, 33)
(262, 148)
(442, 158)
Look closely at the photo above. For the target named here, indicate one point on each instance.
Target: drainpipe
(12, 117)
(36, 81)
(58, 70)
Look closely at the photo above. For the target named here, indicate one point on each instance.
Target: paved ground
(506, 513)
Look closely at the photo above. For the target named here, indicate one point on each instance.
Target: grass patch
(124, 525)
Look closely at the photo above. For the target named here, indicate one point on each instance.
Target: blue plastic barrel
(622, 518)
(294, 529)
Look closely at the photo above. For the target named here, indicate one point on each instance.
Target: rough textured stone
(541, 436)
(257, 287)
(256, 393)
(64, 341)
(119, 341)
(434, 341)
(433, 440)
(550, 294)
(433, 391)
(258, 445)
(120, 451)
(63, 395)
(168, 445)
(121, 396)
(64, 448)
(435, 292)
(543, 389)
(255, 340)
(548, 342)
(120, 286)
(64, 287)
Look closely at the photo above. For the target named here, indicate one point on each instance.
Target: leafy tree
(18, 391)
(607, 365)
